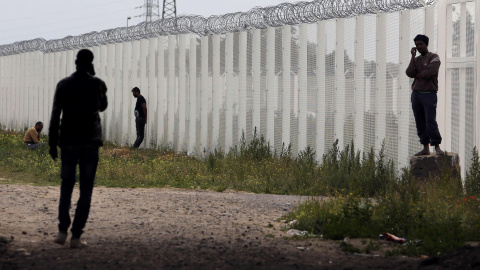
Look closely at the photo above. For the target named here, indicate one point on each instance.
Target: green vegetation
(251, 166)
(366, 196)
(434, 217)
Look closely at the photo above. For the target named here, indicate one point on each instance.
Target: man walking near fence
(32, 136)
(140, 116)
(424, 70)
(80, 97)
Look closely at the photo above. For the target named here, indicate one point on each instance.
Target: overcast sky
(52, 19)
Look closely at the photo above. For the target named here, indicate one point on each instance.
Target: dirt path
(168, 229)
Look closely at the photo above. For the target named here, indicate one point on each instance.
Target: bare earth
(169, 229)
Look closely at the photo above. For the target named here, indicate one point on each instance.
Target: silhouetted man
(140, 116)
(79, 97)
(424, 70)
(32, 136)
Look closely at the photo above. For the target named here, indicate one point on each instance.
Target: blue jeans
(424, 107)
(33, 146)
(87, 158)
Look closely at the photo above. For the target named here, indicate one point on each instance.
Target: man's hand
(53, 152)
(413, 51)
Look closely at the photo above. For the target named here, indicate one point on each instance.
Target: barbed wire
(256, 18)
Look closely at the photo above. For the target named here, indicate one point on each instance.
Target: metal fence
(301, 74)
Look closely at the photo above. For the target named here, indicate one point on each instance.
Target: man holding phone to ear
(78, 99)
(424, 70)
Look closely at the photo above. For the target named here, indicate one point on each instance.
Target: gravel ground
(169, 229)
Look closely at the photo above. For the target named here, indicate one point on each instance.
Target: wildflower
(465, 199)
(471, 197)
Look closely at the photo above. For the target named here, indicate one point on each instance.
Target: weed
(349, 248)
(472, 178)
(367, 195)
(371, 246)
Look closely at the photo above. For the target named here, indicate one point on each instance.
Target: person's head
(39, 126)
(136, 92)
(84, 61)
(421, 43)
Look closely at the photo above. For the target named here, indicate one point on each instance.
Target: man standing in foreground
(32, 136)
(140, 116)
(80, 97)
(424, 70)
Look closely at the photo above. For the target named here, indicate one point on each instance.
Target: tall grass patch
(434, 217)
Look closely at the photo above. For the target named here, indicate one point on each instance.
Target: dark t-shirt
(138, 107)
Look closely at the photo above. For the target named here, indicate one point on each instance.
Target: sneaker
(61, 238)
(77, 243)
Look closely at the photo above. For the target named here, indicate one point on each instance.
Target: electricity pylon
(151, 10)
(169, 9)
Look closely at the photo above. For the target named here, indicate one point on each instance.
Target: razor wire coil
(255, 18)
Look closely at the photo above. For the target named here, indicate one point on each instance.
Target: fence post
(44, 93)
(230, 92)
(359, 82)
(462, 89)
(171, 90)
(22, 91)
(117, 93)
(143, 83)
(181, 91)
(162, 92)
(271, 87)
(192, 129)
(447, 140)
(340, 82)
(242, 103)
(216, 93)
(477, 77)
(381, 75)
(127, 94)
(256, 87)
(320, 100)
(287, 88)
(152, 91)
(106, 71)
(52, 83)
(205, 108)
(302, 90)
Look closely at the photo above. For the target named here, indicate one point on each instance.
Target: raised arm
(411, 69)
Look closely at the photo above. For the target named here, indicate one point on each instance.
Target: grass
(435, 217)
(251, 166)
(366, 196)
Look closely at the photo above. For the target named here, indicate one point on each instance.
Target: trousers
(87, 159)
(140, 125)
(424, 106)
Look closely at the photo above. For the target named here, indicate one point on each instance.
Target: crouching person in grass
(79, 98)
(32, 136)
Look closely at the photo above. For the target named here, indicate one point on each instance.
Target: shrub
(472, 178)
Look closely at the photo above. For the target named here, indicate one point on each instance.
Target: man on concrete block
(79, 98)
(424, 70)
(32, 136)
